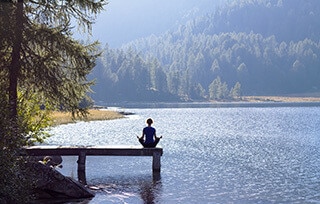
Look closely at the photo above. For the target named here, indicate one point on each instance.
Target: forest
(248, 47)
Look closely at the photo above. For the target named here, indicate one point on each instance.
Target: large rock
(49, 183)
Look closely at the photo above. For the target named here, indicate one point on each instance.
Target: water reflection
(150, 191)
(128, 189)
(63, 201)
(236, 155)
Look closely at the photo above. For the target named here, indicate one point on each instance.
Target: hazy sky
(126, 20)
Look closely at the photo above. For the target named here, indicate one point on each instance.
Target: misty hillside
(287, 20)
(124, 21)
(248, 47)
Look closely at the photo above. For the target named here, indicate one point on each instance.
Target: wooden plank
(156, 164)
(83, 151)
(92, 150)
(82, 168)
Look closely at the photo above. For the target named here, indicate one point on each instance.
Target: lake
(259, 154)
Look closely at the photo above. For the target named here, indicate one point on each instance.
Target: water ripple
(211, 155)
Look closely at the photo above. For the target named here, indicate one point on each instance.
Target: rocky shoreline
(50, 185)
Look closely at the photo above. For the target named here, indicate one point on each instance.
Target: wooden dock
(83, 151)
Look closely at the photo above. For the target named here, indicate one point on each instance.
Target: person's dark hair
(149, 121)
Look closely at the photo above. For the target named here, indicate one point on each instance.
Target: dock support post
(156, 162)
(82, 168)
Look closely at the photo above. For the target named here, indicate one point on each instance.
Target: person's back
(149, 134)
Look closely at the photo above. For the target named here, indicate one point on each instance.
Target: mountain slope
(124, 21)
(258, 44)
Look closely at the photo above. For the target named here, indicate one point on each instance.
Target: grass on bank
(60, 118)
(292, 99)
(98, 114)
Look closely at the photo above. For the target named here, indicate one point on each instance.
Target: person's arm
(141, 135)
(155, 135)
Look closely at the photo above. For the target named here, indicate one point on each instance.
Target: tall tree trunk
(14, 69)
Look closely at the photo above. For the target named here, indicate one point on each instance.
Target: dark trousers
(150, 145)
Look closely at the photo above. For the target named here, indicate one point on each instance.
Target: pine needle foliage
(41, 65)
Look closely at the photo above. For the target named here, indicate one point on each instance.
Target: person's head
(149, 121)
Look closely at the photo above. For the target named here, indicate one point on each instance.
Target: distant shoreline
(60, 118)
(290, 99)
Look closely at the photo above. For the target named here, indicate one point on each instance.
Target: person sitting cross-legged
(149, 137)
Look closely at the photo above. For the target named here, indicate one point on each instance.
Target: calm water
(211, 155)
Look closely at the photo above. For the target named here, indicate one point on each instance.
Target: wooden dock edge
(83, 151)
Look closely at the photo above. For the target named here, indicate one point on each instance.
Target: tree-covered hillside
(248, 47)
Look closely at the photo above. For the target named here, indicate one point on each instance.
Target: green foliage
(235, 92)
(34, 113)
(280, 56)
(14, 184)
(198, 92)
(52, 67)
(41, 65)
(218, 90)
(214, 89)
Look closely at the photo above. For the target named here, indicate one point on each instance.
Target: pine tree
(235, 92)
(40, 62)
(40, 55)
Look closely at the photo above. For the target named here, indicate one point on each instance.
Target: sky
(125, 20)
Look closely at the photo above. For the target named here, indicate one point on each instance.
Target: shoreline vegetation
(288, 99)
(60, 118)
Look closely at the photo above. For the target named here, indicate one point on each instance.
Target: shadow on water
(63, 201)
(127, 189)
(149, 191)
(120, 189)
